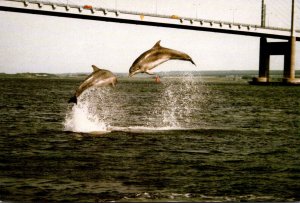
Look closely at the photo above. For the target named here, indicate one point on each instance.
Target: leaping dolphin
(99, 78)
(154, 57)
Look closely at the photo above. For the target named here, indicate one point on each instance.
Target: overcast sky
(33, 43)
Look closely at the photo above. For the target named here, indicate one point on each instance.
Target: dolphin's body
(98, 78)
(154, 57)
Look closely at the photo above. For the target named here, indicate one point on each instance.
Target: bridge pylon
(290, 63)
(288, 49)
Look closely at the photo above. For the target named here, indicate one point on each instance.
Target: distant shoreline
(237, 76)
(221, 73)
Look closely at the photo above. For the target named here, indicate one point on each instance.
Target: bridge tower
(263, 13)
(289, 67)
(288, 49)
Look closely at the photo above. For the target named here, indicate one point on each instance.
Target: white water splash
(169, 113)
(92, 112)
(105, 109)
(80, 119)
(179, 100)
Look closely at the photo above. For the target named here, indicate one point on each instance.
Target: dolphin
(154, 57)
(98, 78)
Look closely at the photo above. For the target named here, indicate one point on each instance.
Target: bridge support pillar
(264, 61)
(289, 62)
(288, 49)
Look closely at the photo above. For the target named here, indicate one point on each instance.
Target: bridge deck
(110, 15)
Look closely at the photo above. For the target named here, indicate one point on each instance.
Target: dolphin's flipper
(149, 73)
(95, 68)
(73, 100)
(113, 84)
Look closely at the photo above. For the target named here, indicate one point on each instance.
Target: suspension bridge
(90, 12)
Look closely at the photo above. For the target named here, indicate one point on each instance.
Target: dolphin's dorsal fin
(95, 68)
(157, 45)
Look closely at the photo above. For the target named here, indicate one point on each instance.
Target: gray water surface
(181, 140)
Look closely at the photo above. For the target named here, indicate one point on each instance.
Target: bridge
(90, 12)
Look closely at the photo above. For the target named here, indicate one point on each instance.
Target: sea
(183, 139)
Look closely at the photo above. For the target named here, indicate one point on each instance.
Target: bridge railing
(68, 5)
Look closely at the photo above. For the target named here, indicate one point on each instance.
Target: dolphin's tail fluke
(193, 62)
(73, 100)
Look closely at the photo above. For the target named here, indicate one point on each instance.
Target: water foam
(85, 116)
(80, 119)
(143, 129)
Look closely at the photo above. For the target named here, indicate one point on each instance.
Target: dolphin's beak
(132, 73)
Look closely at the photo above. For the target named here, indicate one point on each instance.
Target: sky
(33, 43)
